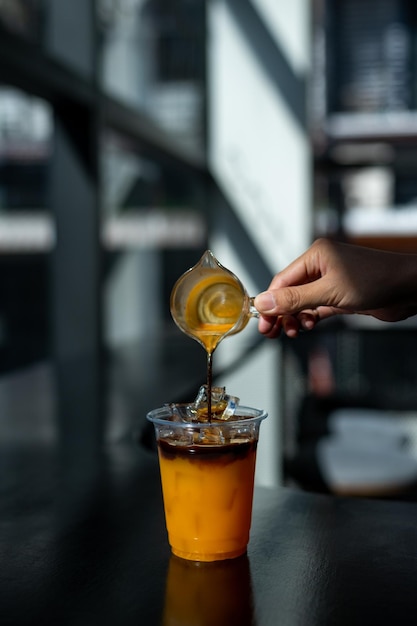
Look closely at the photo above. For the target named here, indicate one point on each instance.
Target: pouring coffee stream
(208, 303)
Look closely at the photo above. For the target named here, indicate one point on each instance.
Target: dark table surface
(83, 542)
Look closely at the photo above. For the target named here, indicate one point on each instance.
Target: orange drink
(207, 474)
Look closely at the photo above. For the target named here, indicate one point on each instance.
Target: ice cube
(230, 408)
(182, 412)
(209, 436)
(223, 406)
(217, 395)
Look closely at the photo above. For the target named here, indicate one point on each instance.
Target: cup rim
(154, 416)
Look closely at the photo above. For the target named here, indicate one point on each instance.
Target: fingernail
(307, 323)
(265, 302)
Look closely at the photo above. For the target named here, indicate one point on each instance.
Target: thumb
(290, 300)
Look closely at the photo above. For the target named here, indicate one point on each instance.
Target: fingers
(265, 303)
(291, 326)
(308, 267)
(292, 300)
(299, 294)
(272, 326)
(284, 301)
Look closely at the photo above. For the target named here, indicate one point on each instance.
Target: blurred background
(134, 134)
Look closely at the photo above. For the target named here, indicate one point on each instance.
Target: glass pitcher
(208, 302)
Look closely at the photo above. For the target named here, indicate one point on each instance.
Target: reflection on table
(204, 594)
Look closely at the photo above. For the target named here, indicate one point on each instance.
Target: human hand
(333, 278)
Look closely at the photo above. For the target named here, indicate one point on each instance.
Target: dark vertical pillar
(69, 35)
(76, 267)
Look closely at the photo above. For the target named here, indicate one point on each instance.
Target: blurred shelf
(394, 243)
(380, 126)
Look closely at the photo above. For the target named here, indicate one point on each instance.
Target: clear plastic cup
(207, 474)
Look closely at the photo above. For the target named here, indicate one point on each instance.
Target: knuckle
(292, 299)
(323, 244)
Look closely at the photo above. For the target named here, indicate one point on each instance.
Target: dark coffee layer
(207, 452)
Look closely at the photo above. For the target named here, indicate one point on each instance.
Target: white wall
(259, 153)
